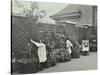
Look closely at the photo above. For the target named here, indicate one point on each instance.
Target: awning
(66, 21)
(46, 20)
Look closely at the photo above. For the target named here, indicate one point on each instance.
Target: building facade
(82, 16)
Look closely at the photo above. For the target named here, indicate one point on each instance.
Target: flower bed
(61, 55)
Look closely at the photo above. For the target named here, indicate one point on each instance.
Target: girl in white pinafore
(69, 45)
(41, 51)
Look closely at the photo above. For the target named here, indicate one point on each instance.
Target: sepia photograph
(51, 37)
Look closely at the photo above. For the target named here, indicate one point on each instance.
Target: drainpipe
(86, 31)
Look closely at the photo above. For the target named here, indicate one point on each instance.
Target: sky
(50, 8)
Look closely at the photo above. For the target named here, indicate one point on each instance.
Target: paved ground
(82, 63)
